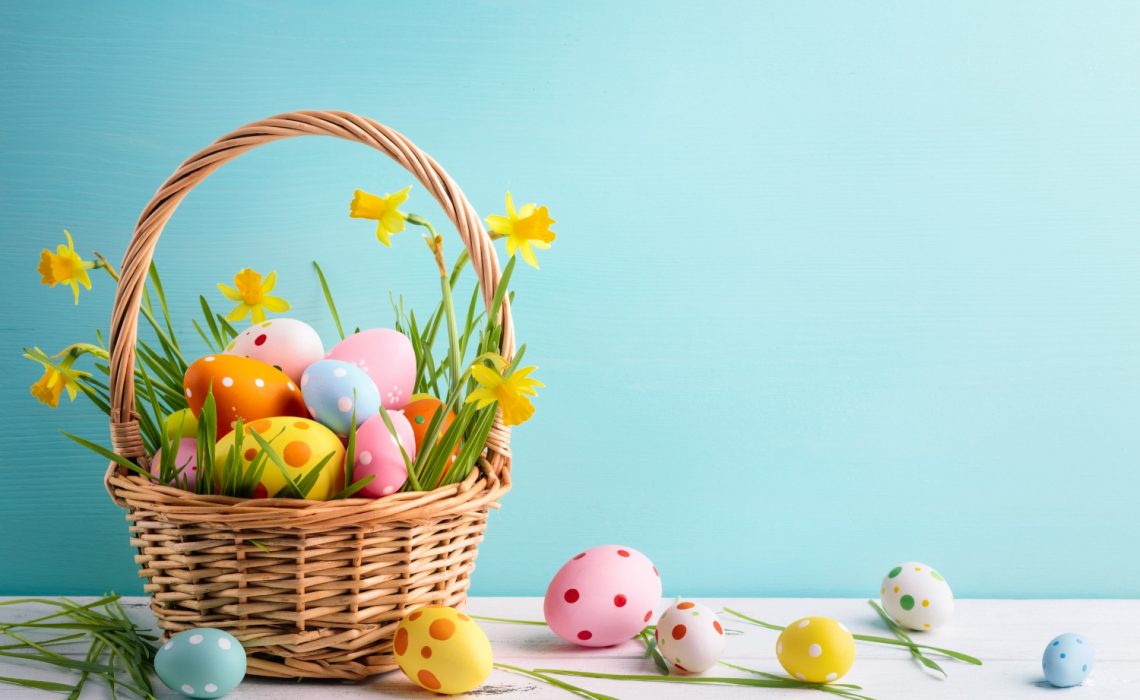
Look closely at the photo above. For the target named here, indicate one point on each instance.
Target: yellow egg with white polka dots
(301, 444)
(442, 650)
(816, 649)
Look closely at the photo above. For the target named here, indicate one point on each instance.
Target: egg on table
(377, 454)
(1068, 660)
(301, 443)
(185, 464)
(201, 663)
(333, 389)
(442, 650)
(917, 596)
(602, 596)
(690, 636)
(387, 357)
(241, 387)
(285, 343)
(420, 412)
(816, 649)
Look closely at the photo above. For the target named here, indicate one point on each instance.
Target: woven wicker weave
(312, 589)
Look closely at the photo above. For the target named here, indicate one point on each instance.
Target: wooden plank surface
(1008, 635)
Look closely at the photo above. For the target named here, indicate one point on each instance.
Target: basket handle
(126, 439)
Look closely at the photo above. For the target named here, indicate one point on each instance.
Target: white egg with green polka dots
(201, 663)
(917, 596)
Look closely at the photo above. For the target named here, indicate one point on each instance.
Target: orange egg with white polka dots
(442, 650)
(242, 388)
(301, 444)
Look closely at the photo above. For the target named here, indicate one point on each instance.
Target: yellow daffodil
(64, 266)
(510, 392)
(529, 226)
(383, 210)
(57, 376)
(252, 296)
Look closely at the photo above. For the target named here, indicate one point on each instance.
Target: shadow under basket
(313, 589)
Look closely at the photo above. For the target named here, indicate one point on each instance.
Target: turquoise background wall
(836, 284)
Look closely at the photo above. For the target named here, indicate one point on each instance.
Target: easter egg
(816, 649)
(185, 464)
(442, 650)
(917, 596)
(301, 444)
(378, 454)
(690, 637)
(201, 663)
(332, 389)
(602, 596)
(284, 343)
(420, 412)
(243, 388)
(180, 424)
(387, 357)
(1068, 660)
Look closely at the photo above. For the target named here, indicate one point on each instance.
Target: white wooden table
(1008, 635)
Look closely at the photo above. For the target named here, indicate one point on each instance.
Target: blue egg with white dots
(332, 388)
(201, 663)
(1068, 660)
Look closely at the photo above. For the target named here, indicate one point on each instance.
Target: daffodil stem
(435, 243)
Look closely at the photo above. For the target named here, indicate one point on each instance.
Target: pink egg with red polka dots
(184, 466)
(387, 357)
(378, 454)
(603, 596)
(285, 343)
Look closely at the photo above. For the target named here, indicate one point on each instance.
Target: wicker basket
(312, 589)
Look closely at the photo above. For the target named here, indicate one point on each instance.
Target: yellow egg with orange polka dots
(301, 444)
(442, 650)
(816, 649)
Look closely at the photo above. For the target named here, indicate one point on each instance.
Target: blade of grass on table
(576, 690)
(902, 635)
(869, 638)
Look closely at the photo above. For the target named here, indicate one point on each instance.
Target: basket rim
(481, 489)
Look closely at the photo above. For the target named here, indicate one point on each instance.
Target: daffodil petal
(238, 313)
(511, 213)
(382, 234)
(500, 225)
(526, 210)
(528, 255)
(256, 314)
(275, 304)
(229, 292)
(269, 283)
(486, 376)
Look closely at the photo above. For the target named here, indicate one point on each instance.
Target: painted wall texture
(837, 285)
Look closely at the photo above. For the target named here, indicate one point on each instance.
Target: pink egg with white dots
(378, 454)
(285, 343)
(387, 357)
(603, 596)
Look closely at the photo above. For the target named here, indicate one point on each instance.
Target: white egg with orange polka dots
(917, 596)
(690, 637)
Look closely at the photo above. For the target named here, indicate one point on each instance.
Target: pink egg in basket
(185, 463)
(603, 596)
(387, 357)
(378, 454)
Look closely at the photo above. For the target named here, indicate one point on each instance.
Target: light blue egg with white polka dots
(1068, 660)
(201, 663)
(329, 387)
